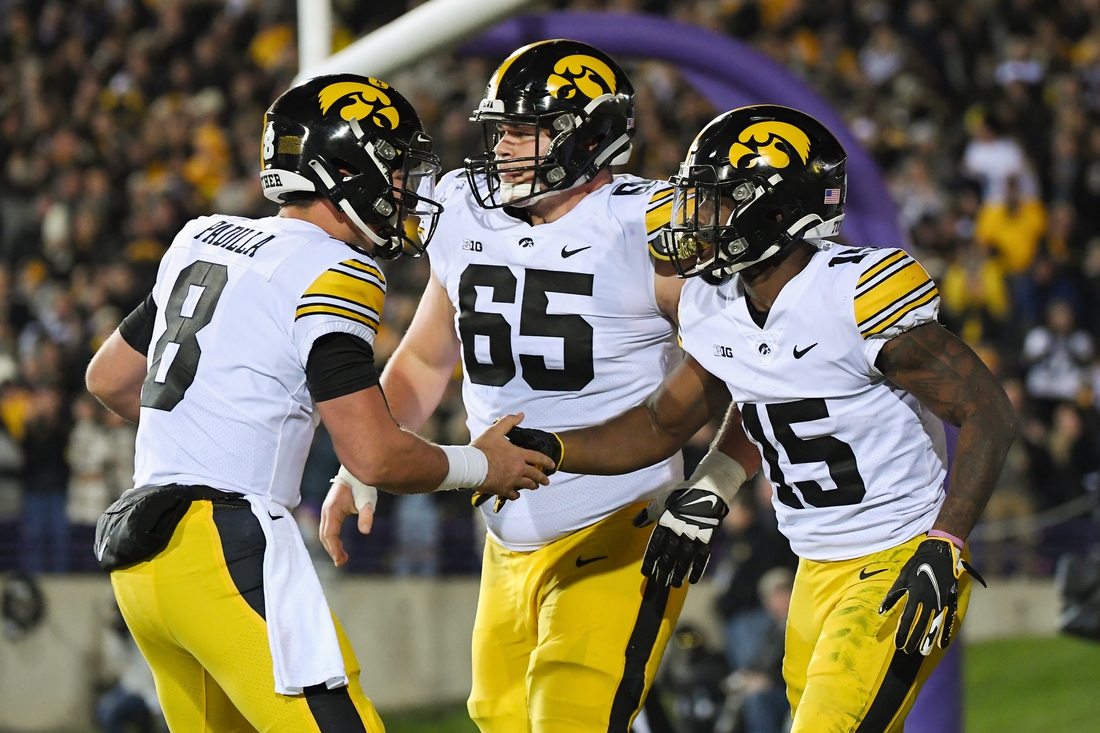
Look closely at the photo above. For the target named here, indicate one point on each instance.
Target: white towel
(304, 647)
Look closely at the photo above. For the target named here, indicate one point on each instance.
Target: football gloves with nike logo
(931, 580)
(679, 546)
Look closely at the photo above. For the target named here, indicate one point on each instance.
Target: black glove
(931, 580)
(680, 544)
(549, 444)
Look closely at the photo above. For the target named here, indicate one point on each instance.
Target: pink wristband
(944, 536)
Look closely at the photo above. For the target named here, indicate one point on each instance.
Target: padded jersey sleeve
(450, 192)
(893, 294)
(658, 214)
(345, 298)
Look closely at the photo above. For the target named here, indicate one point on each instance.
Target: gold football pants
(842, 671)
(569, 637)
(196, 613)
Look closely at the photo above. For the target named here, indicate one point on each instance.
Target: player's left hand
(931, 580)
(679, 546)
(339, 504)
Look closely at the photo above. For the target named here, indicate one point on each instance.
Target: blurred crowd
(121, 119)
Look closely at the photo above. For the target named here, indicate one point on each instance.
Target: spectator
(88, 455)
(974, 296)
(993, 158)
(45, 479)
(1012, 227)
(765, 708)
(1060, 456)
(1057, 356)
(753, 549)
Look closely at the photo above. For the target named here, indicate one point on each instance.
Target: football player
(543, 287)
(254, 330)
(843, 376)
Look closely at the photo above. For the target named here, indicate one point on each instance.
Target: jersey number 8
(176, 357)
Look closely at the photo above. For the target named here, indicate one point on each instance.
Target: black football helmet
(360, 144)
(755, 181)
(575, 92)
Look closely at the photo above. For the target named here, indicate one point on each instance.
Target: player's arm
(378, 451)
(117, 371)
(650, 432)
(948, 377)
(418, 372)
(413, 381)
(895, 305)
(687, 514)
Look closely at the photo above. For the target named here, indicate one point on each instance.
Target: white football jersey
(857, 464)
(559, 321)
(239, 304)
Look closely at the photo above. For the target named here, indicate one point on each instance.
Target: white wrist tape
(467, 467)
(361, 492)
(719, 473)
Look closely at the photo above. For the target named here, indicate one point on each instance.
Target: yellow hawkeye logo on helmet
(364, 102)
(765, 137)
(580, 73)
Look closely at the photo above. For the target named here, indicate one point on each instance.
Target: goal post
(435, 26)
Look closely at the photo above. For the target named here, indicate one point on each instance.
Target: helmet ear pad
(598, 141)
(344, 137)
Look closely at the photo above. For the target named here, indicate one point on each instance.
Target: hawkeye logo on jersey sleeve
(581, 74)
(366, 102)
(773, 142)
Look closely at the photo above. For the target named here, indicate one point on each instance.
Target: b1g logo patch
(723, 351)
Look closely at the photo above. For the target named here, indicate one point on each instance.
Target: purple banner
(729, 74)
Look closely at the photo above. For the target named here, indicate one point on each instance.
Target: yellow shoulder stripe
(364, 267)
(329, 309)
(865, 277)
(923, 300)
(661, 196)
(905, 281)
(657, 218)
(344, 286)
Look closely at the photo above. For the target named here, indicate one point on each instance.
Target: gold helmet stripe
(494, 83)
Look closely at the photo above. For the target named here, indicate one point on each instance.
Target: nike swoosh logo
(864, 575)
(570, 252)
(799, 354)
(927, 570)
(581, 562)
(273, 516)
(712, 499)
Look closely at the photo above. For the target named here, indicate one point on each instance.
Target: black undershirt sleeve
(339, 364)
(136, 329)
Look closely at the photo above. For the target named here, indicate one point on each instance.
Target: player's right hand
(339, 503)
(510, 468)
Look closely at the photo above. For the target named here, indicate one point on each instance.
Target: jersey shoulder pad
(650, 199)
(353, 289)
(892, 294)
(452, 184)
